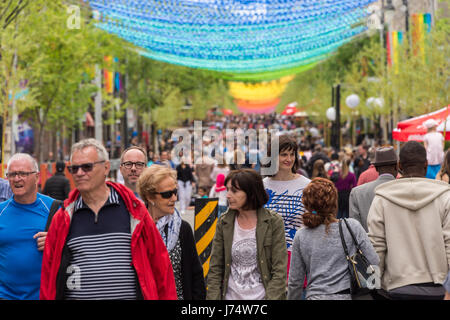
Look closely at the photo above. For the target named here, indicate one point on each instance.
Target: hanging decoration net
(246, 40)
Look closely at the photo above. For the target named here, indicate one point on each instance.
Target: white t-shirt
(222, 195)
(225, 171)
(285, 198)
(435, 148)
(245, 280)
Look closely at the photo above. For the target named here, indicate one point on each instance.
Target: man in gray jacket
(361, 197)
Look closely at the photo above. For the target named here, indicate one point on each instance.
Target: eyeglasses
(168, 194)
(86, 167)
(21, 174)
(129, 164)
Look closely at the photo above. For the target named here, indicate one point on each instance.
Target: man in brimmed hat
(409, 227)
(433, 142)
(385, 163)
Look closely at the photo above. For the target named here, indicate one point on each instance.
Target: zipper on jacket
(96, 217)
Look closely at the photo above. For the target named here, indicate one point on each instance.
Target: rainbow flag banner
(108, 75)
(394, 40)
(421, 24)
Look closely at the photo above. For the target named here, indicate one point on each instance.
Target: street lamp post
(406, 10)
(334, 113)
(337, 124)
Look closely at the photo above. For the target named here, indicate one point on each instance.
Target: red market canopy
(227, 112)
(290, 109)
(413, 129)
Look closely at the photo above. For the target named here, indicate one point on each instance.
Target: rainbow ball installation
(243, 40)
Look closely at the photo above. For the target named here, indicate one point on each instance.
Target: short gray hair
(85, 143)
(19, 156)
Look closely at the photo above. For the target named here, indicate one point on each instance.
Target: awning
(413, 129)
(290, 109)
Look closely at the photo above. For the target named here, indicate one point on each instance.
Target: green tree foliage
(160, 90)
(10, 10)
(312, 88)
(56, 59)
(418, 84)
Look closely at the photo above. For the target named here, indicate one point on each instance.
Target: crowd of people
(278, 236)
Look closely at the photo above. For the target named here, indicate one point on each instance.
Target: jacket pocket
(268, 251)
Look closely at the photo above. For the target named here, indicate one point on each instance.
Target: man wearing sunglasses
(132, 162)
(103, 243)
(23, 218)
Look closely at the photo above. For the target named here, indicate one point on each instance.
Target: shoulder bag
(359, 266)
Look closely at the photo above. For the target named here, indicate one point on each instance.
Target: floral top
(175, 258)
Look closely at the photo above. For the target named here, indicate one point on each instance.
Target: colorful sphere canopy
(246, 40)
(261, 97)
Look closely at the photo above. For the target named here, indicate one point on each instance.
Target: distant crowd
(298, 233)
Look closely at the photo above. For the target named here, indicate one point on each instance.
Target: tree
(10, 10)
(55, 60)
(416, 85)
(312, 88)
(158, 92)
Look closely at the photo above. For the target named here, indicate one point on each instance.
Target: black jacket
(185, 174)
(194, 287)
(314, 157)
(57, 187)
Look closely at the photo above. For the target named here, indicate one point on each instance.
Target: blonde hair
(345, 163)
(150, 178)
(319, 169)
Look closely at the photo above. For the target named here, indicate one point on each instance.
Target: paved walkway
(188, 215)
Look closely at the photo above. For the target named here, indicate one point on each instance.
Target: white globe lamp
(331, 114)
(352, 101)
(379, 102)
(370, 101)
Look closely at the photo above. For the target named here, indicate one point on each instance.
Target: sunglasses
(86, 167)
(168, 194)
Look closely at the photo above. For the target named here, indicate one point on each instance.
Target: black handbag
(361, 271)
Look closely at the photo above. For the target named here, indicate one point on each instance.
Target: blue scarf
(173, 223)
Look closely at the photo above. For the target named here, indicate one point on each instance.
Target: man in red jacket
(103, 244)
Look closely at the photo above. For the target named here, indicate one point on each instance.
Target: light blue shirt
(20, 260)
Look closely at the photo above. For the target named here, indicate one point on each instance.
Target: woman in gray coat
(317, 250)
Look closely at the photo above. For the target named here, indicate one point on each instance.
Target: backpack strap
(55, 206)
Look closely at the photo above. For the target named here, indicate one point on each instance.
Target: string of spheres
(244, 40)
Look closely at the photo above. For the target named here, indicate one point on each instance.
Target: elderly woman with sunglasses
(157, 187)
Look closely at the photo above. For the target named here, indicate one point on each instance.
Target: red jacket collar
(134, 205)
